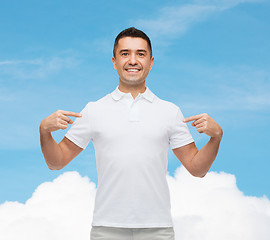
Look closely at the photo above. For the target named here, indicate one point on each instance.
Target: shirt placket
(134, 111)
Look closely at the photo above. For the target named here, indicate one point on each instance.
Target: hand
(57, 120)
(205, 124)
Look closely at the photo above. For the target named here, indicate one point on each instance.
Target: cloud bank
(207, 209)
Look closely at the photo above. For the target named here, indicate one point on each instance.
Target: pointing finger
(195, 117)
(72, 114)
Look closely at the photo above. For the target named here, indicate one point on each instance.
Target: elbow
(198, 174)
(54, 164)
(202, 175)
(198, 171)
(54, 167)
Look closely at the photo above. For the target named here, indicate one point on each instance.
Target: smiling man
(133, 62)
(131, 130)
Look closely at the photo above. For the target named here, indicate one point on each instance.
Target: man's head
(132, 57)
(134, 33)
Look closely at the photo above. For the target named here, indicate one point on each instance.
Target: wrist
(219, 135)
(42, 128)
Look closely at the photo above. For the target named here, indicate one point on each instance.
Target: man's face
(132, 60)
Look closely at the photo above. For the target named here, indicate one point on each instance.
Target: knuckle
(59, 111)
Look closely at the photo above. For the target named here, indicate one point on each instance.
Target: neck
(133, 89)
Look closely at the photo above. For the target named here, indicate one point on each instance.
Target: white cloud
(208, 208)
(17, 62)
(176, 20)
(57, 210)
(243, 88)
(214, 208)
(35, 68)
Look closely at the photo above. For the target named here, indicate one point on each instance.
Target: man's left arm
(198, 162)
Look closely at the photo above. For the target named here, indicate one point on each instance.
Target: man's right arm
(56, 155)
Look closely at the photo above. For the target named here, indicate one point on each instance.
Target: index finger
(72, 114)
(195, 117)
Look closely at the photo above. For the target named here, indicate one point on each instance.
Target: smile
(132, 70)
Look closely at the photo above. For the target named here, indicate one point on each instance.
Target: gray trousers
(116, 233)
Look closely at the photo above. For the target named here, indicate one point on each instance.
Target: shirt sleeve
(80, 131)
(179, 135)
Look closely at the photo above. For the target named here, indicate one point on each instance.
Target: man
(131, 130)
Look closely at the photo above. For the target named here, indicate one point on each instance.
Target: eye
(124, 54)
(141, 54)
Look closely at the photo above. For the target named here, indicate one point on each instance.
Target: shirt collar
(148, 95)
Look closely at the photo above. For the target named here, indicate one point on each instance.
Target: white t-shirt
(131, 140)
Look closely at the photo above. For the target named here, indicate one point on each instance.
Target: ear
(152, 61)
(114, 63)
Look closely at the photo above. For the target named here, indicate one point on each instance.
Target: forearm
(204, 158)
(51, 150)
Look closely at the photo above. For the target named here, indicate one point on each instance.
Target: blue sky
(210, 56)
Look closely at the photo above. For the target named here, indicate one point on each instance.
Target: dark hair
(132, 32)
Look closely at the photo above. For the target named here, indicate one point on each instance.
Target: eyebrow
(138, 50)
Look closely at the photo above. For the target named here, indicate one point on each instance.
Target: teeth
(132, 70)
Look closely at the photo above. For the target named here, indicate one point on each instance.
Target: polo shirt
(131, 138)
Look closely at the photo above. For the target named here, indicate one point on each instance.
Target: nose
(132, 59)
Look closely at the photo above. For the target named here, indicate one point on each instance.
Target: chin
(132, 82)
